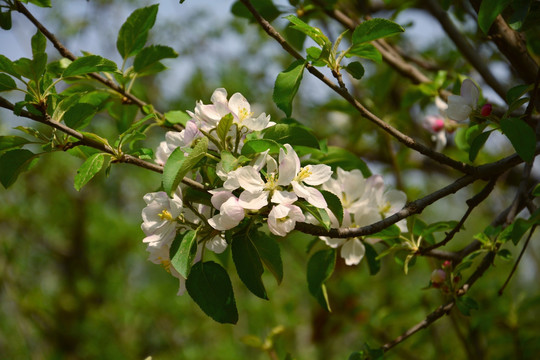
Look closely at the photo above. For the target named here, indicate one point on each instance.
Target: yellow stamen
(244, 114)
(165, 215)
(304, 173)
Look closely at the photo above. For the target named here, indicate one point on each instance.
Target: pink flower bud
(434, 123)
(486, 110)
(437, 277)
(446, 264)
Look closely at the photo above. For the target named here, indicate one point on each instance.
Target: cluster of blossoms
(273, 188)
(459, 108)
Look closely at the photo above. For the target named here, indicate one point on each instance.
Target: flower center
(244, 114)
(384, 208)
(270, 182)
(165, 215)
(304, 173)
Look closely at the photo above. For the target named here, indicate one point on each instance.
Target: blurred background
(74, 280)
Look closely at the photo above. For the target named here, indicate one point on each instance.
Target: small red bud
(446, 264)
(486, 110)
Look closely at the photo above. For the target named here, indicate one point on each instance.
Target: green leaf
(224, 126)
(178, 165)
(177, 117)
(374, 29)
(521, 136)
(355, 69)
(39, 43)
(31, 69)
(79, 115)
(13, 163)
(10, 142)
(287, 84)
(89, 64)
(465, 304)
(334, 204)
(5, 19)
(134, 32)
(390, 232)
(6, 65)
(88, 170)
(40, 3)
(489, 9)
(515, 231)
(366, 51)
(248, 263)
(374, 264)
(517, 92)
(210, 287)
(7, 83)
(477, 144)
(319, 214)
(266, 8)
(505, 254)
(182, 252)
(339, 157)
(149, 56)
(291, 134)
(319, 269)
(258, 146)
(270, 254)
(438, 227)
(315, 33)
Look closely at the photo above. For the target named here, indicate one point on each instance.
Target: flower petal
(253, 201)
(353, 251)
(312, 195)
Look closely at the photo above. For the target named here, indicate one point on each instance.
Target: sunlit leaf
(88, 170)
(286, 86)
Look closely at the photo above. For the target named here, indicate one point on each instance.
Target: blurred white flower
(461, 106)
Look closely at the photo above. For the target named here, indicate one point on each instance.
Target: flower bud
(486, 110)
(437, 277)
(434, 123)
(446, 264)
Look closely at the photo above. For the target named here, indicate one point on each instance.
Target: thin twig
(404, 139)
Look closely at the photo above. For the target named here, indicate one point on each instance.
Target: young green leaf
(13, 163)
(286, 86)
(489, 9)
(210, 287)
(374, 29)
(177, 117)
(315, 33)
(39, 43)
(149, 56)
(477, 145)
(178, 165)
(248, 264)
(291, 134)
(355, 69)
(224, 126)
(258, 146)
(182, 252)
(89, 64)
(88, 170)
(134, 32)
(6, 65)
(10, 142)
(319, 269)
(7, 83)
(79, 115)
(521, 136)
(366, 51)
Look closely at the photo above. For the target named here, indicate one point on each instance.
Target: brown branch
(464, 47)
(69, 55)
(124, 158)
(404, 139)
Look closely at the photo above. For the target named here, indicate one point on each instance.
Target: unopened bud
(437, 277)
(434, 123)
(446, 264)
(486, 110)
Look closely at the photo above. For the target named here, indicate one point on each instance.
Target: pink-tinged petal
(440, 140)
(216, 244)
(469, 92)
(162, 153)
(232, 209)
(250, 179)
(283, 197)
(312, 195)
(289, 165)
(319, 174)
(219, 197)
(353, 251)
(253, 201)
(219, 96)
(332, 242)
(282, 219)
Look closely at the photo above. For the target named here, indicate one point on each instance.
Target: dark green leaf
(286, 86)
(39, 43)
(465, 304)
(178, 165)
(536, 191)
(315, 33)
(390, 232)
(517, 92)
(149, 56)
(505, 254)
(477, 144)
(339, 157)
(258, 146)
(7, 83)
(183, 251)
(89, 64)
(264, 7)
(521, 136)
(366, 51)
(210, 287)
(13, 163)
(489, 9)
(374, 29)
(79, 115)
(515, 231)
(334, 204)
(374, 264)
(319, 269)
(248, 263)
(355, 69)
(319, 214)
(270, 254)
(439, 226)
(224, 126)
(88, 170)
(10, 142)
(197, 196)
(291, 134)
(134, 32)
(5, 19)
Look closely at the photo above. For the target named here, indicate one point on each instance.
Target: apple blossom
(174, 139)
(230, 212)
(283, 217)
(461, 106)
(159, 217)
(435, 125)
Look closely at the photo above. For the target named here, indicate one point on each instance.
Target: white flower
(230, 212)
(291, 172)
(386, 202)
(175, 139)
(217, 244)
(435, 125)
(159, 217)
(241, 110)
(460, 106)
(283, 217)
(208, 116)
